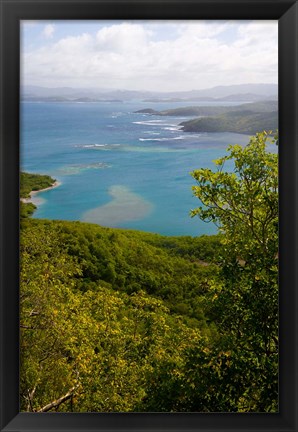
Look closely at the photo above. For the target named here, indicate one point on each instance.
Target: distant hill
(264, 106)
(243, 92)
(224, 91)
(238, 97)
(246, 118)
(244, 122)
(67, 99)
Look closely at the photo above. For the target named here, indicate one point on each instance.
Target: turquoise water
(116, 167)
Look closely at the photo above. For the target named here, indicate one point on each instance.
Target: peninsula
(30, 185)
(246, 118)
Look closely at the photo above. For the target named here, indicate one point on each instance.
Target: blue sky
(148, 55)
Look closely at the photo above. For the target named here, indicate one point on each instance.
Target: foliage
(255, 107)
(33, 182)
(236, 369)
(100, 347)
(244, 122)
(243, 203)
(26, 209)
(28, 183)
(128, 261)
(244, 301)
(118, 320)
(206, 248)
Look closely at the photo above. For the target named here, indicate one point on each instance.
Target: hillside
(132, 261)
(244, 122)
(115, 320)
(257, 107)
(248, 118)
(107, 308)
(31, 183)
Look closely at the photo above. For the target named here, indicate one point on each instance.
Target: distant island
(248, 118)
(67, 99)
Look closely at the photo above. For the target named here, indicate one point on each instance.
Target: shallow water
(125, 206)
(117, 167)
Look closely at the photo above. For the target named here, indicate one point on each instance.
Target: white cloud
(48, 31)
(203, 29)
(131, 55)
(125, 37)
(73, 46)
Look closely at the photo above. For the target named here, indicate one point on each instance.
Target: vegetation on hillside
(255, 107)
(118, 320)
(28, 183)
(247, 118)
(244, 122)
(33, 182)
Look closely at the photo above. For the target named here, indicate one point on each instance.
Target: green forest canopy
(28, 183)
(117, 320)
(33, 182)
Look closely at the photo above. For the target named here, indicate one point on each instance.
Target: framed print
(148, 215)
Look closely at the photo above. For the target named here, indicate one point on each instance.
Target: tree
(87, 350)
(243, 202)
(46, 303)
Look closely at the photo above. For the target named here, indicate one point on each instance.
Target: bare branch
(57, 402)
(30, 398)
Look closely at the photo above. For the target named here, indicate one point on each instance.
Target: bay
(119, 168)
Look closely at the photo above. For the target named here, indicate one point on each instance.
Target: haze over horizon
(240, 87)
(154, 56)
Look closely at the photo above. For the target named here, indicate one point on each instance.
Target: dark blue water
(116, 167)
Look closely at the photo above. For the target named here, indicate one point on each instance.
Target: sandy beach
(33, 194)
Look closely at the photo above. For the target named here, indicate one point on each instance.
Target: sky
(148, 55)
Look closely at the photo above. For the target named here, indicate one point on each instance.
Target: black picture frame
(12, 11)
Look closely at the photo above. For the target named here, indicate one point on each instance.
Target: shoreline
(34, 193)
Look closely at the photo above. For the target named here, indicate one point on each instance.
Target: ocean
(119, 168)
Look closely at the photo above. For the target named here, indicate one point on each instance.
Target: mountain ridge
(253, 91)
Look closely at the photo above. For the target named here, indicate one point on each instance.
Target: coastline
(34, 193)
